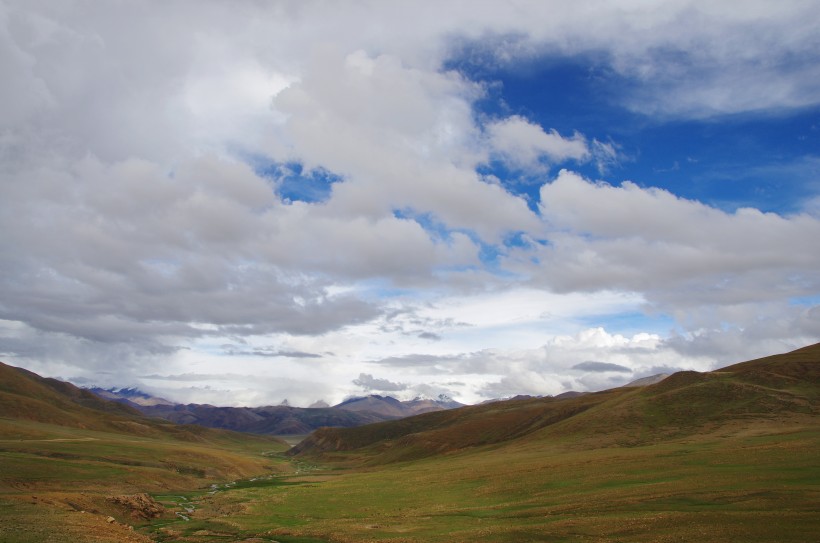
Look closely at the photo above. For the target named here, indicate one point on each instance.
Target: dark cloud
(368, 382)
(269, 352)
(601, 367)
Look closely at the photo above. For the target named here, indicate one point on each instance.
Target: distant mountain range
(130, 396)
(277, 419)
(288, 420)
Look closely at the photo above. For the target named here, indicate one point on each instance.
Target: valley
(729, 455)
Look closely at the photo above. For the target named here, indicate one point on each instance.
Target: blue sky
(418, 198)
(726, 160)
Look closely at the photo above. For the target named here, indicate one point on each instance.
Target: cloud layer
(145, 225)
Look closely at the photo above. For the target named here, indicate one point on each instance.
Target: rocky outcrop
(138, 506)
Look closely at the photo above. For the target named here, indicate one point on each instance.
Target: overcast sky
(241, 202)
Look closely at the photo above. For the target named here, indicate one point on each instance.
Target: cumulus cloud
(589, 360)
(525, 144)
(700, 81)
(368, 382)
(674, 250)
(137, 231)
(554, 367)
(401, 138)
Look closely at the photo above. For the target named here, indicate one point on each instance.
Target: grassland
(760, 484)
(720, 457)
(78, 468)
(58, 483)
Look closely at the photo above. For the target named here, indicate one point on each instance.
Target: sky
(244, 202)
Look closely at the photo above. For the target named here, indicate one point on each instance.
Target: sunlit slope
(55, 435)
(73, 466)
(780, 388)
(26, 395)
(724, 456)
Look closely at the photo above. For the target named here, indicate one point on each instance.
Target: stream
(187, 506)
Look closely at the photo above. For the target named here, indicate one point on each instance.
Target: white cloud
(133, 234)
(525, 144)
(677, 252)
(401, 137)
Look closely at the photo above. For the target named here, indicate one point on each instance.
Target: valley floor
(745, 486)
(726, 456)
(734, 488)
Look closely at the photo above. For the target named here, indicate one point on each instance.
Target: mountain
(646, 381)
(129, 396)
(426, 405)
(271, 420)
(386, 407)
(782, 387)
(389, 407)
(279, 419)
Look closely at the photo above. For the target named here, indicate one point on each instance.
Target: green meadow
(714, 488)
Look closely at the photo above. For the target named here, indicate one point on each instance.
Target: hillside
(64, 450)
(724, 456)
(38, 413)
(780, 387)
(26, 396)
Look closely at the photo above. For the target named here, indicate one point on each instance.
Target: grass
(56, 481)
(729, 456)
(742, 487)
(758, 482)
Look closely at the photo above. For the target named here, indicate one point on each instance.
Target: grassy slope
(683, 404)
(713, 488)
(725, 456)
(64, 450)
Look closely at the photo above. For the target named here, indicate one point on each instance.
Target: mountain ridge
(277, 419)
